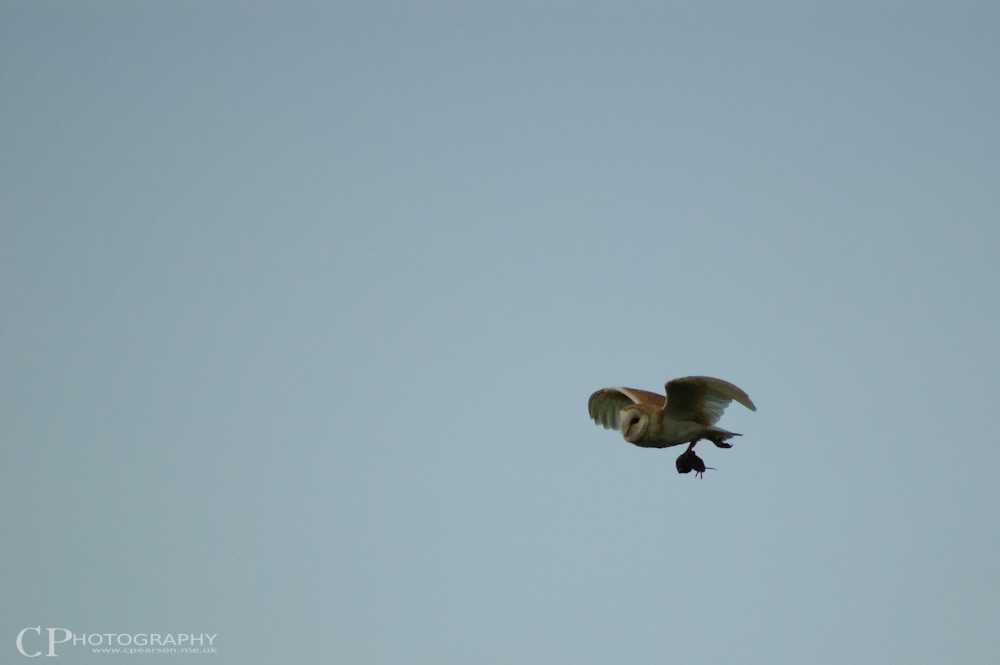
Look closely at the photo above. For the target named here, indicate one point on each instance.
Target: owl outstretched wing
(702, 399)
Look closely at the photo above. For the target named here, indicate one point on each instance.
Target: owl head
(635, 422)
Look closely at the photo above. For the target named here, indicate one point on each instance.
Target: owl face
(635, 423)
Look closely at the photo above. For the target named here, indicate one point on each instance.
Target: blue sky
(303, 304)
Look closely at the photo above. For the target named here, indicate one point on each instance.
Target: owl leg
(719, 438)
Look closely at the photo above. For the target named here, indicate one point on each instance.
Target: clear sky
(303, 302)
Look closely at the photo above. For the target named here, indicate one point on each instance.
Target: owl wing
(605, 404)
(702, 399)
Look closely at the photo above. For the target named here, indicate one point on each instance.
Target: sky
(303, 302)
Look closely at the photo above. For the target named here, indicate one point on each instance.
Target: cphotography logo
(37, 641)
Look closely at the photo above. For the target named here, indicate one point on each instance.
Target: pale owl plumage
(688, 413)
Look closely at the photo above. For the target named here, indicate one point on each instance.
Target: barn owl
(687, 414)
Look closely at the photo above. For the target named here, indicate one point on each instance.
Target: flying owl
(687, 414)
